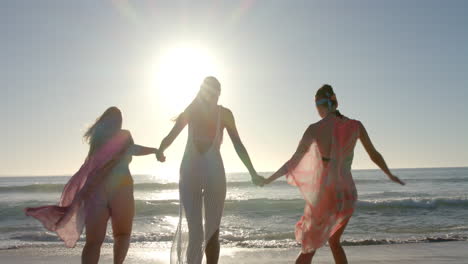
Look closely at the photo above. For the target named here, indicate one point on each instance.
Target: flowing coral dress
(327, 186)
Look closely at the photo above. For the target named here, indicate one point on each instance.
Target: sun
(179, 72)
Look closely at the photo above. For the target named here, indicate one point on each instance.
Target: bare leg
(213, 200)
(212, 249)
(305, 258)
(122, 211)
(335, 245)
(96, 225)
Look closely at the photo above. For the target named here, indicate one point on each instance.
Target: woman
(202, 182)
(101, 189)
(321, 168)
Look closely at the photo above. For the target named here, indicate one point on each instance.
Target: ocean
(432, 207)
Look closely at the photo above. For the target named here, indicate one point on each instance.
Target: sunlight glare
(179, 73)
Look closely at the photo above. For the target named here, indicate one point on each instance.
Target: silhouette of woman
(321, 169)
(101, 189)
(202, 184)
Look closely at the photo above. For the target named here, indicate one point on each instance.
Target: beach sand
(447, 252)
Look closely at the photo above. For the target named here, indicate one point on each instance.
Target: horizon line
(141, 174)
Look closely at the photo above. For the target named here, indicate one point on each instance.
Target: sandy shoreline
(447, 252)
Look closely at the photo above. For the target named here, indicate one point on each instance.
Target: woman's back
(324, 178)
(321, 169)
(336, 136)
(204, 125)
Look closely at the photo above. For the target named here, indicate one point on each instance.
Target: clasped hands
(260, 180)
(160, 155)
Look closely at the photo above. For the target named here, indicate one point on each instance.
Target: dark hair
(106, 126)
(326, 92)
(209, 85)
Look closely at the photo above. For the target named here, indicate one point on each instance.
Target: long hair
(210, 87)
(106, 126)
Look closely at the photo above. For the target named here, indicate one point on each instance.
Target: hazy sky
(401, 67)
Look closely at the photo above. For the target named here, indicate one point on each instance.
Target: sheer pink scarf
(67, 218)
(327, 187)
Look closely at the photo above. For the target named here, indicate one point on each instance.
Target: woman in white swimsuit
(202, 184)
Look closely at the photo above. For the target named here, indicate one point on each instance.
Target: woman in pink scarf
(321, 169)
(101, 189)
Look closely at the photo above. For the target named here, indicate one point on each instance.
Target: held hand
(396, 179)
(160, 156)
(258, 180)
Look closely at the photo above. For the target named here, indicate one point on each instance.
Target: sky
(400, 67)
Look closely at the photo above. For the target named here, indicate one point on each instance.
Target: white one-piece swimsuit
(202, 191)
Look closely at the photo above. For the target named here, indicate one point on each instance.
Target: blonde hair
(106, 126)
(209, 85)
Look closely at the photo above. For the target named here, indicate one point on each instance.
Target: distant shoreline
(241, 172)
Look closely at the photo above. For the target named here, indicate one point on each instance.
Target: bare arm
(241, 151)
(179, 125)
(375, 156)
(139, 150)
(301, 150)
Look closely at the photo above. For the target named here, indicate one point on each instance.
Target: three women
(103, 187)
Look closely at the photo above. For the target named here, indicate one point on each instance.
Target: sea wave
(287, 243)
(53, 188)
(152, 186)
(415, 203)
(260, 207)
(268, 240)
(283, 206)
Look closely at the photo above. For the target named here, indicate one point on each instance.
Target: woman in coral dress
(321, 169)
